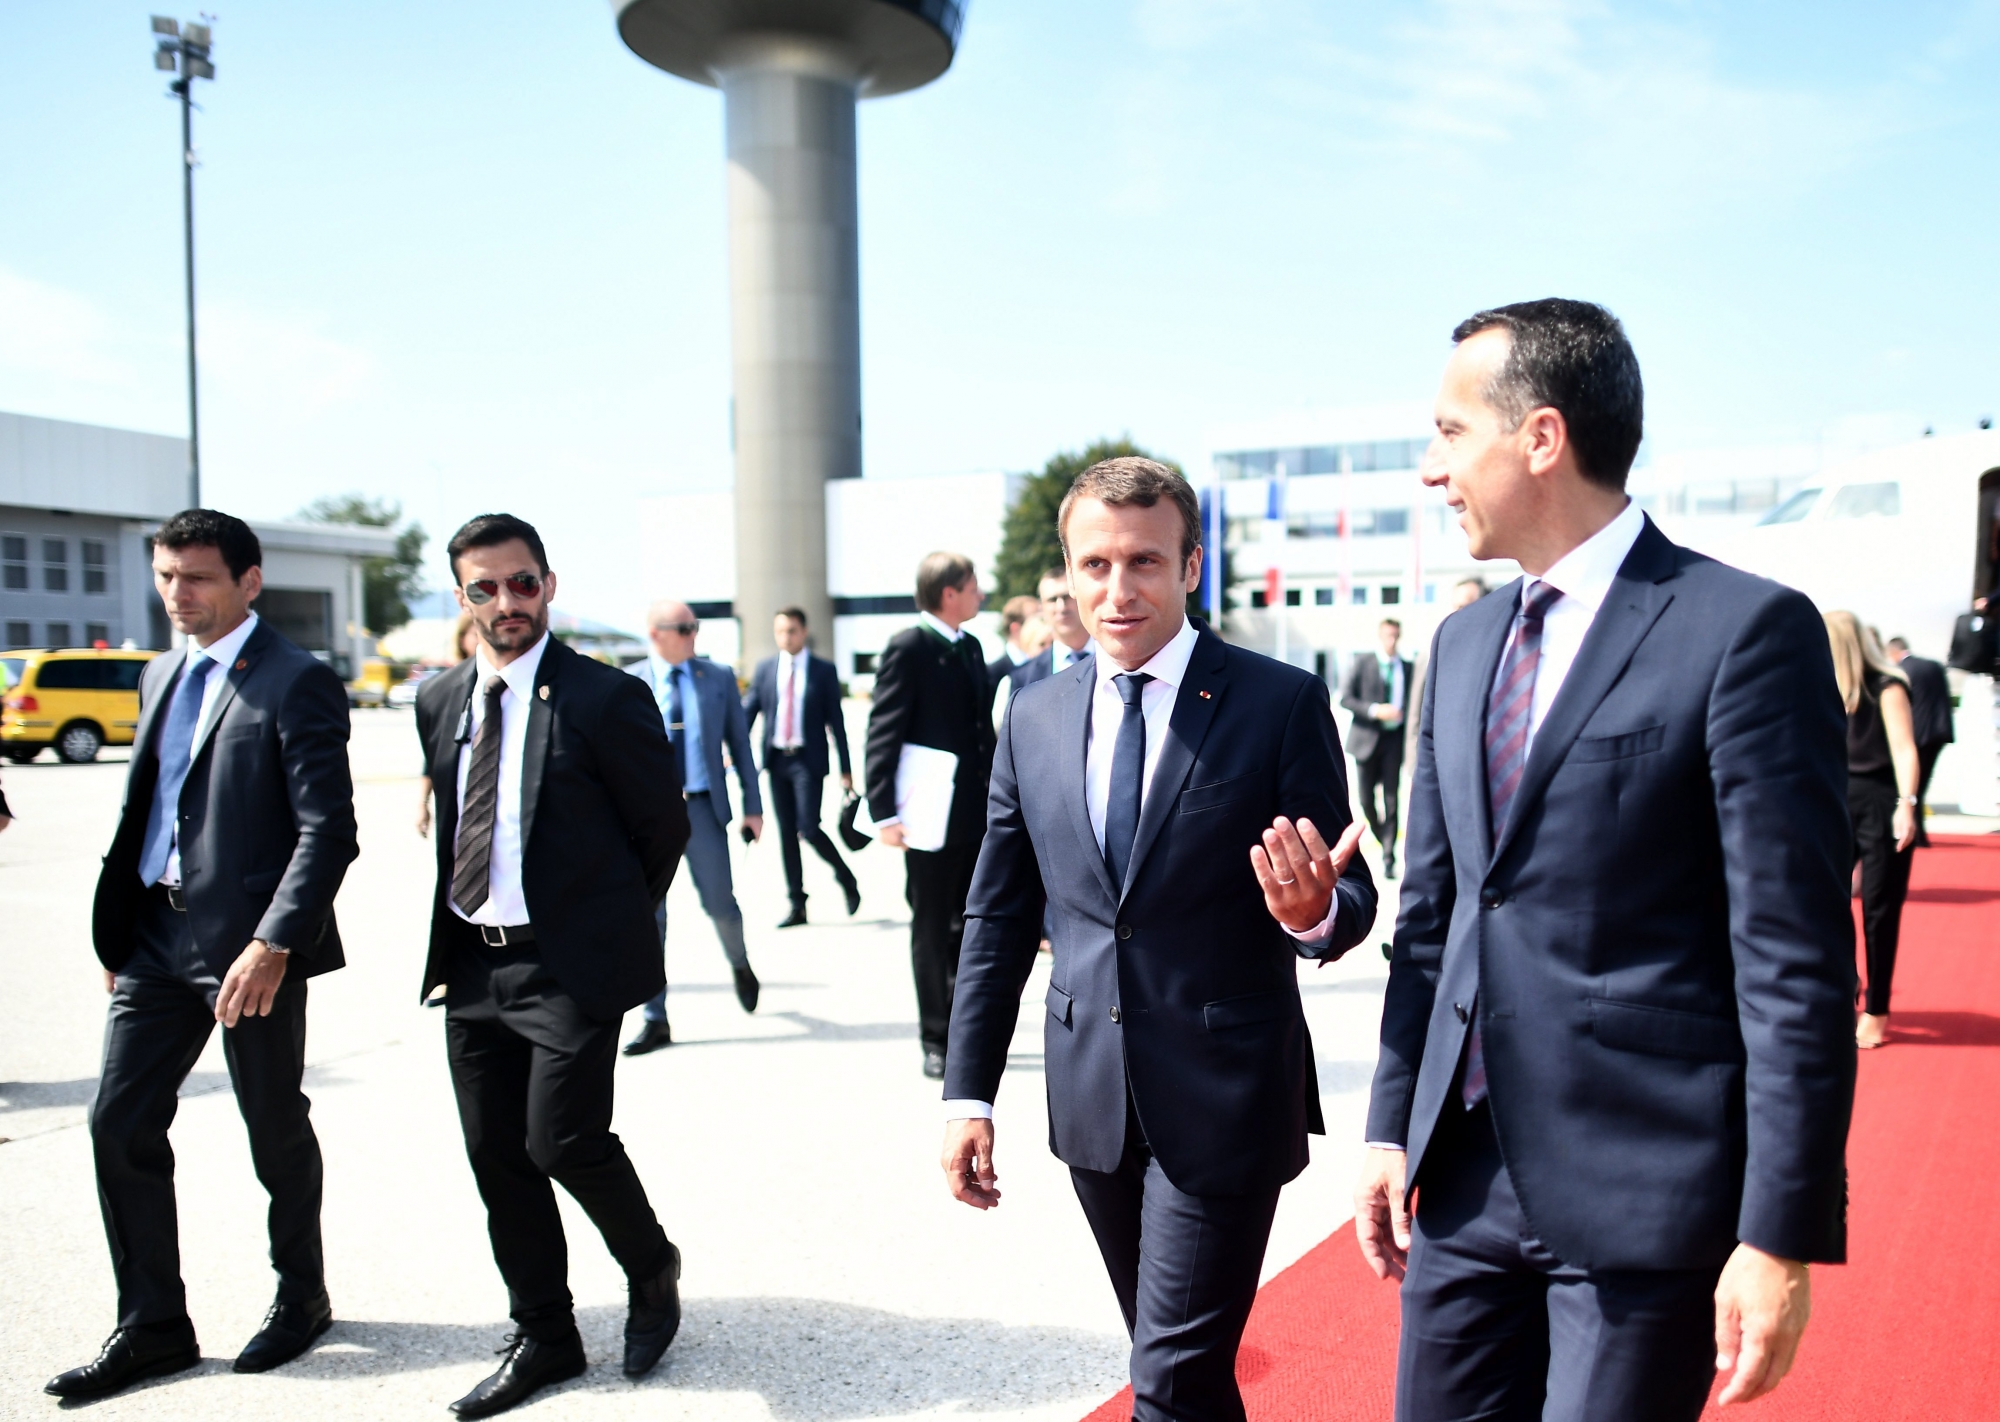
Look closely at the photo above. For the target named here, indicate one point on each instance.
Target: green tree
(387, 584)
(1029, 546)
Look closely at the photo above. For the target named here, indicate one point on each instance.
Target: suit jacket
(1001, 668)
(1364, 687)
(267, 812)
(722, 720)
(1930, 702)
(930, 692)
(1039, 667)
(1179, 980)
(1659, 948)
(818, 713)
(603, 824)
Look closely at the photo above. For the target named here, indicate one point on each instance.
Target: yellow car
(371, 688)
(77, 699)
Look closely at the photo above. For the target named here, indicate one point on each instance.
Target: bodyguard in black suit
(1617, 1046)
(1166, 803)
(560, 824)
(1377, 691)
(798, 695)
(215, 904)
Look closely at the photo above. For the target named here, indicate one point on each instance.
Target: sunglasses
(686, 629)
(484, 590)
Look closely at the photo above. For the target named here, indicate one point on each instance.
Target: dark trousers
(795, 799)
(1496, 1327)
(533, 1077)
(707, 859)
(1381, 774)
(1185, 1269)
(1885, 883)
(162, 1011)
(1927, 759)
(938, 881)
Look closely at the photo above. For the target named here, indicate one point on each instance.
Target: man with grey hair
(931, 690)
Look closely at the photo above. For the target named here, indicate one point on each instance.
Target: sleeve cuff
(1388, 1145)
(968, 1110)
(1321, 933)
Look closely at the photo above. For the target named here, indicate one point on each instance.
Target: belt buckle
(176, 900)
(492, 935)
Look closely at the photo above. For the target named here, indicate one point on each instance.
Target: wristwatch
(280, 949)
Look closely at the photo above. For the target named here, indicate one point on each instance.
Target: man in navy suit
(798, 695)
(1069, 643)
(1617, 1046)
(1169, 803)
(702, 712)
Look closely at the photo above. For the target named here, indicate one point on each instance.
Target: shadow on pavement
(815, 1029)
(41, 1095)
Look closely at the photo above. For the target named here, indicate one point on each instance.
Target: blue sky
(481, 264)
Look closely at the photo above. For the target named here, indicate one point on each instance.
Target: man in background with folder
(930, 728)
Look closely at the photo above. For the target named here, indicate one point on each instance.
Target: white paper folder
(924, 779)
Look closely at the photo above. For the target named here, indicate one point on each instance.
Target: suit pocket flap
(1618, 747)
(1242, 1011)
(1059, 1003)
(1666, 1031)
(1218, 793)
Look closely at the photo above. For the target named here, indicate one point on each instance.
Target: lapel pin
(242, 664)
(543, 692)
(1205, 696)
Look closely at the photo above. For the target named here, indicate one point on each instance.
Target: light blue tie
(175, 749)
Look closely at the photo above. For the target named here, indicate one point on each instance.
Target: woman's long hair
(1856, 652)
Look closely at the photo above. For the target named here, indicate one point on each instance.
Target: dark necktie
(470, 879)
(1128, 777)
(175, 749)
(1509, 714)
(676, 720)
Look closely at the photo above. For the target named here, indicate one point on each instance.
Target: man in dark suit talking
(1170, 803)
(1617, 1045)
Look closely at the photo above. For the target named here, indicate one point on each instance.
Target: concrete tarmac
(792, 1155)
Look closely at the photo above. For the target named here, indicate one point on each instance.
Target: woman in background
(1881, 802)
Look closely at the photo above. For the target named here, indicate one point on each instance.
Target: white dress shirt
(1061, 659)
(222, 651)
(506, 903)
(792, 682)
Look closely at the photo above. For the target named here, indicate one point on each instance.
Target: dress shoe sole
(261, 1365)
(570, 1374)
(158, 1368)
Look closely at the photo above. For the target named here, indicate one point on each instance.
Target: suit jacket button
(1491, 898)
(1124, 931)
(1459, 1008)
(1114, 1015)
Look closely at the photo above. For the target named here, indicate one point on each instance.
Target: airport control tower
(790, 72)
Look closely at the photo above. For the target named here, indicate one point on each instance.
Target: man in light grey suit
(700, 706)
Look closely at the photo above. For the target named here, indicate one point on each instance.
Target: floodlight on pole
(184, 49)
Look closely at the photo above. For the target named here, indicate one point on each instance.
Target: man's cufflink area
(968, 1111)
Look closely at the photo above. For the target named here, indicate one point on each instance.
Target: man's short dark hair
(797, 614)
(1133, 479)
(206, 528)
(937, 572)
(1571, 356)
(1899, 643)
(1058, 571)
(1390, 622)
(491, 530)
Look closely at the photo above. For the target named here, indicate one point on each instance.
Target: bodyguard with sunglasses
(552, 850)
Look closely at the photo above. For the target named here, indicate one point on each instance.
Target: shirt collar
(662, 668)
(941, 627)
(1587, 570)
(1168, 665)
(1060, 656)
(223, 649)
(519, 674)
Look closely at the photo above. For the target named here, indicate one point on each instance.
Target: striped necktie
(1509, 723)
(471, 870)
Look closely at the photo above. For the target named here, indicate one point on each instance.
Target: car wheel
(22, 755)
(79, 742)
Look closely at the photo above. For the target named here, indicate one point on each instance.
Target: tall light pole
(184, 50)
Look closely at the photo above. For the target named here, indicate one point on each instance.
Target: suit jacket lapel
(541, 716)
(233, 676)
(1193, 712)
(1628, 613)
(142, 736)
(1075, 771)
(1461, 709)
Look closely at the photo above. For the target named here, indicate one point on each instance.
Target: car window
(123, 673)
(1867, 501)
(11, 669)
(1792, 509)
(71, 674)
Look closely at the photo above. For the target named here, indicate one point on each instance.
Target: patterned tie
(786, 736)
(1128, 776)
(676, 720)
(1509, 716)
(175, 749)
(470, 880)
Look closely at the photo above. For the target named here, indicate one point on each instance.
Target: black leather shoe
(655, 1317)
(289, 1329)
(853, 892)
(652, 1036)
(1388, 863)
(933, 1064)
(128, 1356)
(793, 919)
(529, 1367)
(746, 988)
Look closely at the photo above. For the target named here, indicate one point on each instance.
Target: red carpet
(1908, 1332)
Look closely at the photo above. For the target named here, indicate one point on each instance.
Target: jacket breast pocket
(1666, 1031)
(1216, 794)
(1245, 1011)
(1619, 747)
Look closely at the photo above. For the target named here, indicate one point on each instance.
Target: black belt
(495, 935)
(788, 750)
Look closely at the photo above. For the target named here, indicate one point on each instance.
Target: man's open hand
(1762, 1303)
(1381, 1219)
(892, 835)
(968, 1163)
(1297, 871)
(251, 984)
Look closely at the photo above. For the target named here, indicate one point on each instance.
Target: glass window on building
(96, 632)
(1322, 597)
(59, 634)
(96, 567)
(19, 634)
(1391, 593)
(1294, 597)
(1257, 598)
(1323, 459)
(1359, 595)
(14, 564)
(55, 565)
(1391, 523)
